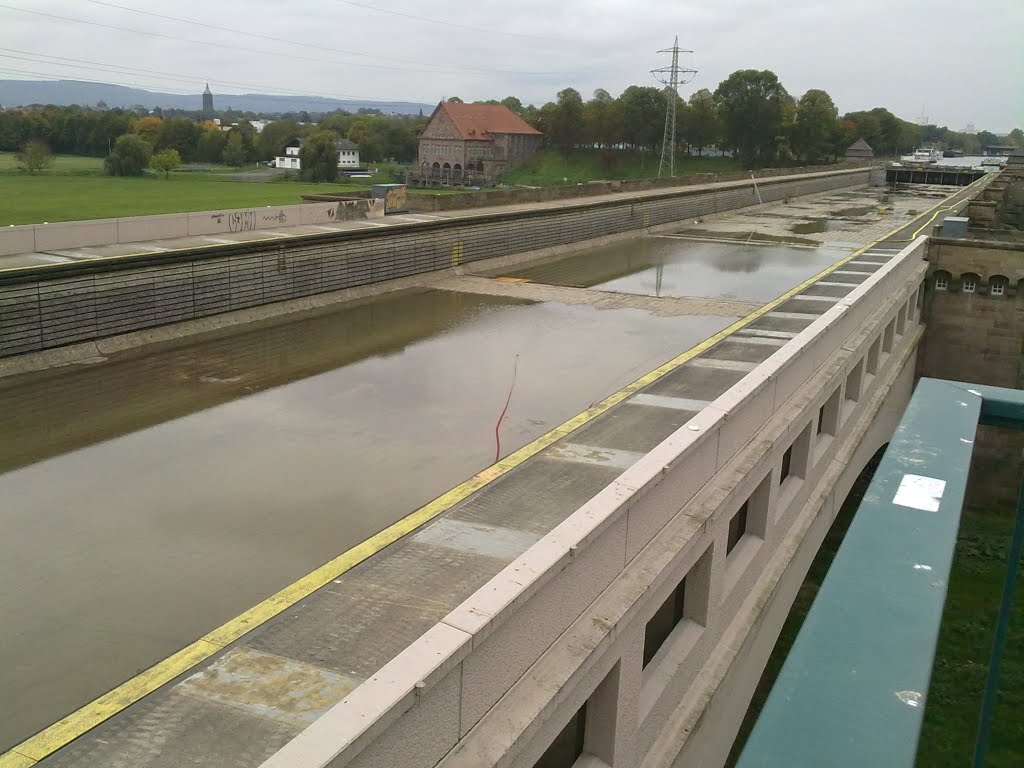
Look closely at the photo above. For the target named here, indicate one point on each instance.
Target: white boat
(923, 156)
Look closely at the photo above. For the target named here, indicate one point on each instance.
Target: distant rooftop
(481, 121)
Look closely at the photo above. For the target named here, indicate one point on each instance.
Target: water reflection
(665, 266)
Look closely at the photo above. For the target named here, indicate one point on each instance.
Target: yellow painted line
(49, 740)
(938, 211)
(109, 704)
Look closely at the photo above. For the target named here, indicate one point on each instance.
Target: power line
(50, 76)
(429, 20)
(193, 42)
(671, 77)
(301, 44)
(98, 66)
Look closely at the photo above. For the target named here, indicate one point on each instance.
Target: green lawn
(63, 165)
(961, 660)
(76, 188)
(551, 168)
(961, 657)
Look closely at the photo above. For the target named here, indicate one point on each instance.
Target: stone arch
(436, 168)
(998, 285)
(969, 282)
(457, 170)
(941, 280)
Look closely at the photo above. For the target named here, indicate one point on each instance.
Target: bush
(35, 155)
(165, 161)
(234, 150)
(130, 156)
(319, 157)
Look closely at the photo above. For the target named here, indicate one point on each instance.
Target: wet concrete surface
(667, 266)
(150, 498)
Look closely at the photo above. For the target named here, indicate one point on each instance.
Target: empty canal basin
(671, 266)
(147, 499)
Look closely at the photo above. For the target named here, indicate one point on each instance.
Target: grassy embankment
(76, 188)
(961, 658)
(551, 168)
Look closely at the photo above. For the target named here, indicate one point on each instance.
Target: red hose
(497, 426)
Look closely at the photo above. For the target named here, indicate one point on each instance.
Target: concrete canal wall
(75, 234)
(60, 305)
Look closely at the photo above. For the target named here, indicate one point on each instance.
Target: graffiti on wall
(241, 221)
(395, 199)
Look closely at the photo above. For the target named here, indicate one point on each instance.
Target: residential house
(348, 155)
(486, 139)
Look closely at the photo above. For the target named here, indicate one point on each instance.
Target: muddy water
(665, 266)
(148, 499)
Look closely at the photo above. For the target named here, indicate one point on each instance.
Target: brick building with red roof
(474, 139)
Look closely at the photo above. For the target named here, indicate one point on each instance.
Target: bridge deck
(254, 690)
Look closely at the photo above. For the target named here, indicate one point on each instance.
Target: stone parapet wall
(462, 200)
(65, 235)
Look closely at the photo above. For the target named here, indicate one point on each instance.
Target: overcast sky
(938, 56)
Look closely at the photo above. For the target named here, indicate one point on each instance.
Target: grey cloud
(865, 53)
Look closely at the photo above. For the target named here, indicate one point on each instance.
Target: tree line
(83, 131)
(750, 113)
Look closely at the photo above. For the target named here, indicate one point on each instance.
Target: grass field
(551, 168)
(961, 657)
(76, 188)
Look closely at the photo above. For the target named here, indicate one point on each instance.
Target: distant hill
(18, 93)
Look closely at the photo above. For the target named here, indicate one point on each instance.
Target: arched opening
(457, 170)
(998, 285)
(969, 282)
(480, 166)
(942, 278)
(436, 168)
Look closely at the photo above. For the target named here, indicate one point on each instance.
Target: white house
(348, 155)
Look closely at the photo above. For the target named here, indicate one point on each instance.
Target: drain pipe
(756, 190)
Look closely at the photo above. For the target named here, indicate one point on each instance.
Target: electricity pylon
(672, 76)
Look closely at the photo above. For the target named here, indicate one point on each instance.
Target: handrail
(853, 689)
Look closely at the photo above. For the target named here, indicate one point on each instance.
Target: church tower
(207, 102)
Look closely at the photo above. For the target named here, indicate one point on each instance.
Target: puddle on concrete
(818, 225)
(209, 476)
(846, 213)
(666, 266)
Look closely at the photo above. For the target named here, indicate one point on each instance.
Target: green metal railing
(854, 685)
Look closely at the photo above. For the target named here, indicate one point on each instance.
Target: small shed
(859, 150)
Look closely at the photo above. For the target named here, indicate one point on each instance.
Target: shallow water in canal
(150, 499)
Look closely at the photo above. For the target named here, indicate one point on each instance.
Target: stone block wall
(977, 336)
